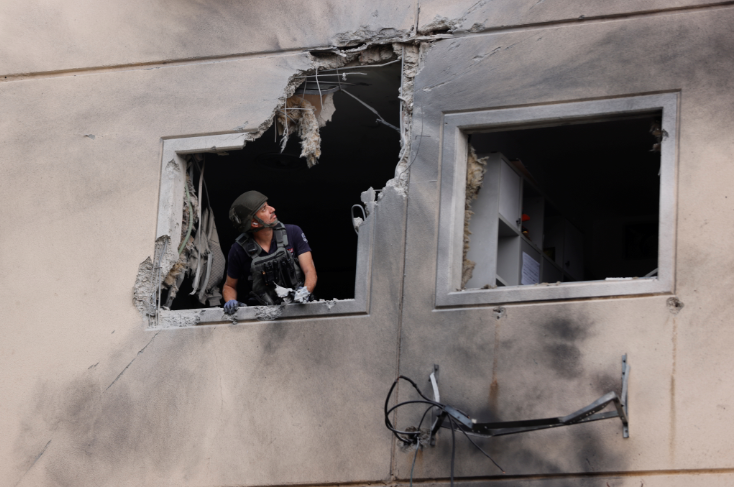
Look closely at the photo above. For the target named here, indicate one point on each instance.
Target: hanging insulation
(475, 169)
(299, 116)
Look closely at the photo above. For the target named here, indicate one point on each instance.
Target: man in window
(270, 259)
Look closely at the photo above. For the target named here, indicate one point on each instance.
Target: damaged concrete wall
(540, 359)
(89, 397)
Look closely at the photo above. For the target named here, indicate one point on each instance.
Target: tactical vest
(279, 268)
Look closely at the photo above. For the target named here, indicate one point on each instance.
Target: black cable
(389, 424)
(411, 468)
(485, 453)
(453, 448)
(418, 445)
(413, 437)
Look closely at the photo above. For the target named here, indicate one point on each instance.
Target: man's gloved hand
(302, 295)
(230, 307)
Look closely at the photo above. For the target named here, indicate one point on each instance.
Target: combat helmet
(244, 208)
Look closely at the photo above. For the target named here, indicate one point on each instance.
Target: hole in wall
(357, 153)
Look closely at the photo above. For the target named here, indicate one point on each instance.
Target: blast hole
(356, 153)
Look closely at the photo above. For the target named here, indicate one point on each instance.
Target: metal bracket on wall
(586, 414)
(433, 378)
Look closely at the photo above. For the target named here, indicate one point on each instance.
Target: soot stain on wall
(139, 421)
(162, 417)
(543, 372)
(561, 346)
(558, 351)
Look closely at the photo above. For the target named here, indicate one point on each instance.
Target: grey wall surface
(544, 359)
(91, 398)
(265, 403)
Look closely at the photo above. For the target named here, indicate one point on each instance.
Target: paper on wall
(530, 270)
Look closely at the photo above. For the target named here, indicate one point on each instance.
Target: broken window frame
(170, 213)
(456, 128)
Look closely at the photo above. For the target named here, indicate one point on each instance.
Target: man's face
(266, 214)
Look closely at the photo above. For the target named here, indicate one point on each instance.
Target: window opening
(565, 203)
(357, 151)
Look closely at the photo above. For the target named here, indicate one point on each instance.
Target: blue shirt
(238, 262)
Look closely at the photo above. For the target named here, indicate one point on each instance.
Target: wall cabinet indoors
(517, 235)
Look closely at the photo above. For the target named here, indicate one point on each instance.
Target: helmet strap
(264, 225)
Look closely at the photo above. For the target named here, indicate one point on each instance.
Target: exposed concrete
(269, 313)
(475, 169)
(145, 287)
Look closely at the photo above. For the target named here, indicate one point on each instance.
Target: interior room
(602, 178)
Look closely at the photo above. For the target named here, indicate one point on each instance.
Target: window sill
(212, 316)
(552, 292)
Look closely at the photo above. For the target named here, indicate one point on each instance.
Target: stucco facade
(91, 395)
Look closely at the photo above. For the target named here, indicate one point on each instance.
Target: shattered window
(567, 203)
(338, 137)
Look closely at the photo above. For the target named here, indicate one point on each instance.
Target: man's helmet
(244, 208)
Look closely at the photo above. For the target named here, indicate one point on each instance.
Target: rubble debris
(412, 56)
(283, 292)
(475, 169)
(182, 318)
(298, 115)
(301, 295)
(377, 54)
(144, 288)
(269, 313)
(175, 276)
(199, 253)
(439, 25)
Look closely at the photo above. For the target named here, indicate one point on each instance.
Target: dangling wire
(413, 437)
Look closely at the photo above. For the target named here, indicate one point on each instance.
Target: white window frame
(170, 212)
(456, 127)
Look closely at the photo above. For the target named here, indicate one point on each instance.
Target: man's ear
(255, 224)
